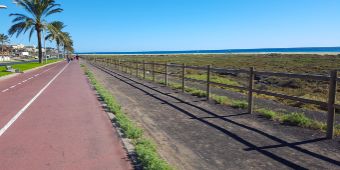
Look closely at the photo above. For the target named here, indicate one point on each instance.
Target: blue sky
(146, 25)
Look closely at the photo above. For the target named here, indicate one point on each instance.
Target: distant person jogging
(68, 58)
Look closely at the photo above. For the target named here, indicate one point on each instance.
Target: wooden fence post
(119, 69)
(166, 74)
(130, 67)
(153, 71)
(208, 82)
(331, 103)
(144, 69)
(137, 71)
(183, 78)
(250, 90)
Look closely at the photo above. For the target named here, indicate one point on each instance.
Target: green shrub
(224, 100)
(147, 154)
(175, 85)
(296, 119)
(213, 78)
(196, 92)
(269, 114)
(239, 104)
(337, 130)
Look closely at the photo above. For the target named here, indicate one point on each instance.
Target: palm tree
(57, 36)
(3, 39)
(38, 11)
(67, 42)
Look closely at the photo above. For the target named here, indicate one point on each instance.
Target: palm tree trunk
(39, 45)
(58, 46)
(65, 53)
(2, 47)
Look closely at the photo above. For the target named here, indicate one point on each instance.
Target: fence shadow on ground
(251, 147)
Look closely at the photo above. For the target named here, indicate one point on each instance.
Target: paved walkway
(50, 119)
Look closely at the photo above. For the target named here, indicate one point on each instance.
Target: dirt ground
(194, 134)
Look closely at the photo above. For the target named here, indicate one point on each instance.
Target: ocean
(233, 51)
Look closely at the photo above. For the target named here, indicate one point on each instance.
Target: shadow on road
(251, 147)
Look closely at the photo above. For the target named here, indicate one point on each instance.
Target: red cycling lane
(64, 128)
(18, 95)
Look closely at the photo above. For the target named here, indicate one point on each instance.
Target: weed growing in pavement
(145, 149)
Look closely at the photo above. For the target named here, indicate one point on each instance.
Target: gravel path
(194, 134)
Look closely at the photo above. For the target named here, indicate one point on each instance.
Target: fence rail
(332, 79)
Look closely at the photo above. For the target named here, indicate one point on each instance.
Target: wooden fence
(332, 79)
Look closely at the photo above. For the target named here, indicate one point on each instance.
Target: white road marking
(10, 123)
(29, 78)
(3, 91)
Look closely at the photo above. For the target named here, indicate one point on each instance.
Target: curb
(127, 143)
(27, 71)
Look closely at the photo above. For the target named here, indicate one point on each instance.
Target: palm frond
(58, 10)
(31, 33)
(16, 29)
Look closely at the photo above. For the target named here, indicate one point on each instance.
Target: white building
(18, 47)
(25, 54)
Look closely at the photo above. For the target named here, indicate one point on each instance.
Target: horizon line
(231, 49)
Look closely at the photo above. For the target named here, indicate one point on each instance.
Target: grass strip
(24, 67)
(224, 100)
(297, 119)
(145, 148)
